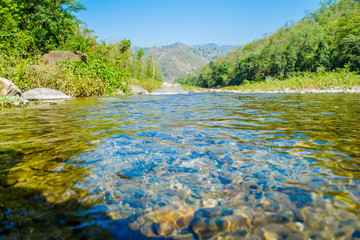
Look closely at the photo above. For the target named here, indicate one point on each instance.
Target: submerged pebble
(221, 166)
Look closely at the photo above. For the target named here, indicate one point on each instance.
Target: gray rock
(44, 94)
(138, 90)
(60, 56)
(119, 92)
(169, 91)
(8, 88)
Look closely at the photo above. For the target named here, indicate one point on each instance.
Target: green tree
(219, 76)
(323, 56)
(34, 25)
(140, 54)
(350, 51)
(291, 59)
(125, 45)
(11, 35)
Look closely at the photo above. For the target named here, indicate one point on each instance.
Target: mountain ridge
(177, 60)
(322, 41)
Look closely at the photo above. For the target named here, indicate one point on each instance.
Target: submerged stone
(206, 227)
(204, 168)
(165, 221)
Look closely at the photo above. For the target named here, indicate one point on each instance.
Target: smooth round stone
(317, 223)
(148, 230)
(346, 232)
(44, 94)
(259, 219)
(278, 197)
(295, 226)
(205, 227)
(252, 184)
(271, 236)
(210, 203)
(326, 234)
(304, 213)
(134, 225)
(276, 231)
(201, 229)
(165, 220)
(165, 229)
(212, 213)
(298, 236)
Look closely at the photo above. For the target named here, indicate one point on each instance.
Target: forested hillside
(29, 29)
(178, 60)
(324, 40)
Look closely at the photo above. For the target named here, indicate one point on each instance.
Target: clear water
(203, 166)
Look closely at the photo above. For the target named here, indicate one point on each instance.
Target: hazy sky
(162, 22)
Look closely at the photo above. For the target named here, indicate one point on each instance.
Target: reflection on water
(204, 166)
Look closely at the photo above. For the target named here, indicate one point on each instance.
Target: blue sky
(161, 22)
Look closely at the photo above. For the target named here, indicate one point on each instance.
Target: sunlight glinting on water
(266, 166)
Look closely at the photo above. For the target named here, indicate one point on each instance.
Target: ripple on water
(208, 166)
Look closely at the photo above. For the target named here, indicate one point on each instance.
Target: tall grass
(75, 78)
(147, 83)
(6, 101)
(338, 79)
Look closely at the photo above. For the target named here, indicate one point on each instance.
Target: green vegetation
(5, 101)
(28, 29)
(325, 40)
(338, 80)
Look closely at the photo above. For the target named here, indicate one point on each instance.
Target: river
(202, 166)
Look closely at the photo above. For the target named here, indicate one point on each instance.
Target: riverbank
(303, 91)
(339, 81)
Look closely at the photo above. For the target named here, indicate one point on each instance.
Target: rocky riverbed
(216, 166)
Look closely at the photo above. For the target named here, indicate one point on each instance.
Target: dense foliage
(324, 40)
(28, 29)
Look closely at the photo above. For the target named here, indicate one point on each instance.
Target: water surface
(203, 166)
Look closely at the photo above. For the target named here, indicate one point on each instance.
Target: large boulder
(176, 89)
(8, 88)
(44, 94)
(60, 56)
(138, 90)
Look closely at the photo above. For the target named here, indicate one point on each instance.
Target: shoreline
(20, 102)
(303, 91)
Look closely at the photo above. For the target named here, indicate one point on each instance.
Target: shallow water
(203, 166)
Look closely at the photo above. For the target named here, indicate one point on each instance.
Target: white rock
(167, 85)
(44, 94)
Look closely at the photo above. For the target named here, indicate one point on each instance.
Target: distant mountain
(178, 60)
(325, 40)
(225, 49)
